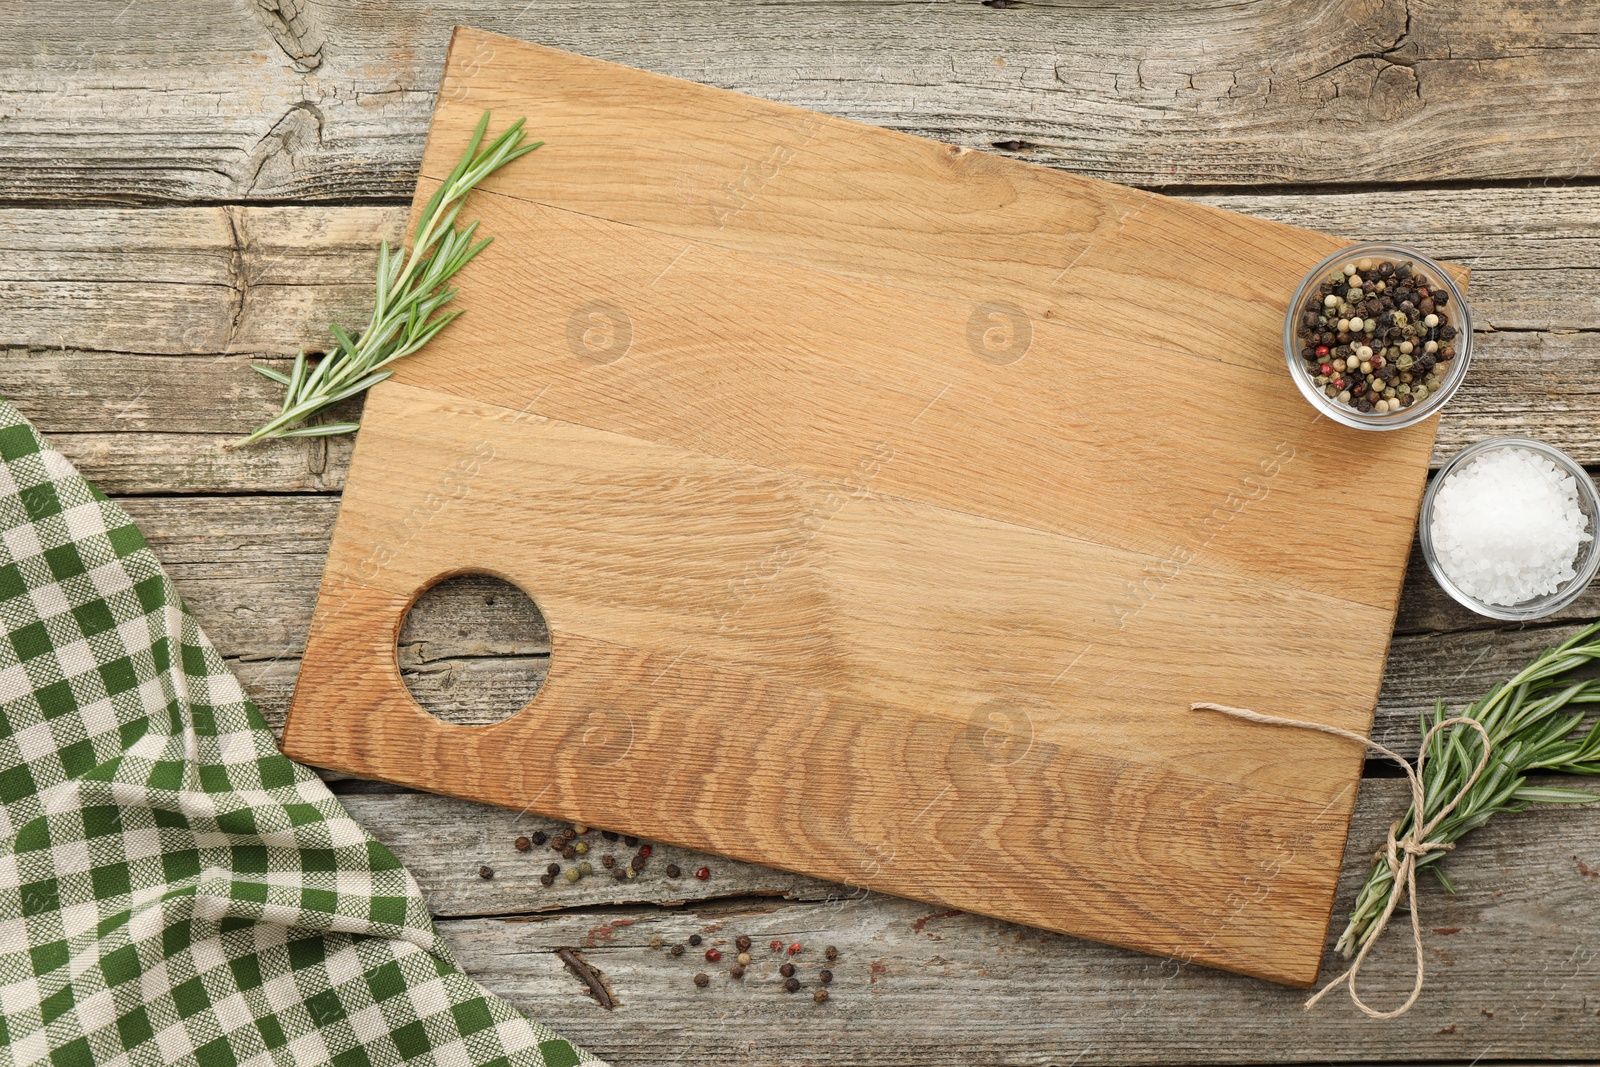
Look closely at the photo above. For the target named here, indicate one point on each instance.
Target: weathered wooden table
(190, 188)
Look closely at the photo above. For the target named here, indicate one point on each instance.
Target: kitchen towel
(173, 889)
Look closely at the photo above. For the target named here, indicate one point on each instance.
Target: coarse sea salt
(1507, 527)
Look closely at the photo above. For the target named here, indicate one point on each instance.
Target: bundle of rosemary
(1532, 721)
(412, 290)
(1470, 766)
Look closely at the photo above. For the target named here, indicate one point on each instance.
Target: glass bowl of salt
(1508, 528)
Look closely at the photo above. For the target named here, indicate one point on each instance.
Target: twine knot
(1411, 848)
(1400, 854)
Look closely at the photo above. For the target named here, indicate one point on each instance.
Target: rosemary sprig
(412, 290)
(1533, 723)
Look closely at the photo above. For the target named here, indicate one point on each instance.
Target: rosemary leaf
(410, 291)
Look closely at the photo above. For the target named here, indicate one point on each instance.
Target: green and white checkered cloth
(173, 890)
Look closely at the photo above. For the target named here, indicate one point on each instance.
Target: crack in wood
(285, 140)
(290, 26)
(1388, 57)
(238, 282)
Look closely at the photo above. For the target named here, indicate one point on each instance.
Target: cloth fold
(173, 889)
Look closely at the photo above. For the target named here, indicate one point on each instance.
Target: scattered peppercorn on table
(181, 234)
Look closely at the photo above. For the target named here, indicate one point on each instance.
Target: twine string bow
(1401, 854)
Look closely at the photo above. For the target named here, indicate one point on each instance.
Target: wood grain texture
(821, 526)
(173, 102)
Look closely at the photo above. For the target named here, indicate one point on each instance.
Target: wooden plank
(180, 415)
(130, 463)
(249, 567)
(183, 275)
(1510, 975)
(232, 103)
(1534, 254)
(1536, 383)
(181, 281)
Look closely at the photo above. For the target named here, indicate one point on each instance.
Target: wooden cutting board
(888, 503)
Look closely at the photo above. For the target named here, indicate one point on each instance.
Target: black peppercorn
(831, 953)
(742, 942)
(673, 871)
(702, 979)
(631, 842)
(792, 985)
(486, 873)
(825, 976)
(547, 880)
(736, 971)
(608, 862)
(553, 870)
(569, 853)
(522, 844)
(540, 837)
(609, 835)
(620, 874)
(787, 970)
(638, 862)
(677, 950)
(695, 939)
(820, 996)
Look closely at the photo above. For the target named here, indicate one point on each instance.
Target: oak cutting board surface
(887, 503)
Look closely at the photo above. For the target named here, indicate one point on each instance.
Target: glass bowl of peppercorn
(1377, 337)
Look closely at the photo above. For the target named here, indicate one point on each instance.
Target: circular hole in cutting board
(473, 650)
